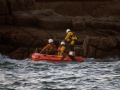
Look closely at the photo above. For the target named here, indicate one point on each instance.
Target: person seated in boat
(71, 39)
(72, 55)
(50, 48)
(61, 49)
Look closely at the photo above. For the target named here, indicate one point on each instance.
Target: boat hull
(54, 58)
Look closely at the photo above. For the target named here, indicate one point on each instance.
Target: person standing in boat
(71, 39)
(61, 49)
(50, 48)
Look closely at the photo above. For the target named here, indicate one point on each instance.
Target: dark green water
(29, 75)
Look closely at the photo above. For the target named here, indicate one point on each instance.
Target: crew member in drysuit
(72, 55)
(61, 52)
(50, 48)
(61, 49)
(71, 39)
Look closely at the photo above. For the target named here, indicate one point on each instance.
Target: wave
(6, 59)
(110, 59)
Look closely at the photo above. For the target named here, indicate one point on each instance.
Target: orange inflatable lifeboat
(54, 58)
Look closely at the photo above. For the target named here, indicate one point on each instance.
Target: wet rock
(83, 7)
(29, 28)
(48, 19)
(20, 54)
(23, 18)
(79, 25)
(2, 19)
(20, 5)
(3, 8)
(100, 47)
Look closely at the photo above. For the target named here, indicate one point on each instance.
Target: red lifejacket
(59, 48)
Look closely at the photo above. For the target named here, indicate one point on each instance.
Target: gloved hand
(68, 40)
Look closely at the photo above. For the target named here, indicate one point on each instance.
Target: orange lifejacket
(50, 47)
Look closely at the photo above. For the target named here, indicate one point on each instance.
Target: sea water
(29, 75)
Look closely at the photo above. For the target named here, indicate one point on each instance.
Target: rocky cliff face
(7, 7)
(26, 25)
(82, 7)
